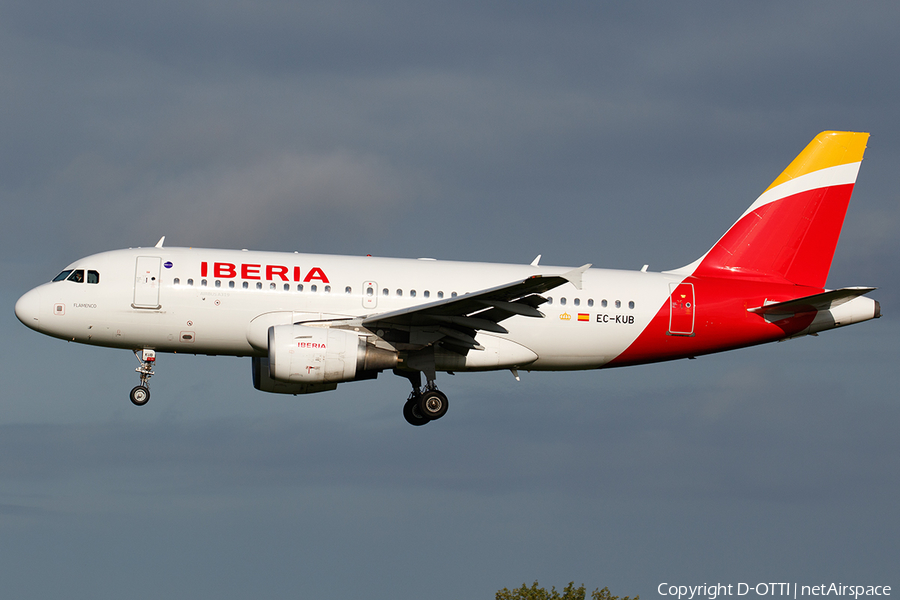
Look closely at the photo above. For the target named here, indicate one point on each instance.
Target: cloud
(285, 196)
(296, 199)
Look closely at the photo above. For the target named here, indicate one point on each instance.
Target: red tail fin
(790, 232)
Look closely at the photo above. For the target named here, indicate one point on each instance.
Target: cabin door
(682, 309)
(146, 282)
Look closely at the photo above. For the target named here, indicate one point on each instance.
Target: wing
(454, 322)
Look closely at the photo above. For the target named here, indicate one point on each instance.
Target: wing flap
(514, 308)
(471, 322)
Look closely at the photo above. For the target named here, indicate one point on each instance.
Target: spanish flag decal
(584, 317)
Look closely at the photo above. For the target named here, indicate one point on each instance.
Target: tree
(570, 592)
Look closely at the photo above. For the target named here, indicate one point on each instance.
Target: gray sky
(617, 135)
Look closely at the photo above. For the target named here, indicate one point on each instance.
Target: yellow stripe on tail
(828, 149)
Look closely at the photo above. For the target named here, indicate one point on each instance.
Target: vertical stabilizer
(791, 231)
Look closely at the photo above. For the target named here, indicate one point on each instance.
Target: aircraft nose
(28, 309)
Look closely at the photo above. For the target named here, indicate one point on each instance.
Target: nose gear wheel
(140, 394)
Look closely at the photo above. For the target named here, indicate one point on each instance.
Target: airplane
(311, 321)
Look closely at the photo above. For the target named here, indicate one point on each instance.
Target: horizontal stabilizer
(817, 302)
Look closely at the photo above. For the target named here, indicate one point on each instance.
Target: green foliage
(570, 592)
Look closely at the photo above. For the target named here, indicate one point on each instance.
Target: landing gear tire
(140, 395)
(433, 404)
(413, 414)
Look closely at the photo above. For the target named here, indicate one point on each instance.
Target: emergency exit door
(146, 282)
(682, 309)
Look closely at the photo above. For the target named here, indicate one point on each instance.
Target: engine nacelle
(264, 383)
(320, 355)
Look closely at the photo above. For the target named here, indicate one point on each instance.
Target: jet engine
(305, 359)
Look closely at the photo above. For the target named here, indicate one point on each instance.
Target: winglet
(574, 276)
(159, 244)
(536, 261)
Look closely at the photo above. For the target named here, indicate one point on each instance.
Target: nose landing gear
(140, 394)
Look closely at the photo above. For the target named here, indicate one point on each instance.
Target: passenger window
(63, 276)
(313, 288)
(549, 300)
(244, 285)
(231, 284)
(412, 293)
(347, 290)
(299, 287)
(453, 294)
(426, 293)
(385, 292)
(631, 304)
(590, 301)
(603, 303)
(202, 283)
(93, 277)
(218, 283)
(577, 301)
(327, 289)
(399, 293)
(176, 281)
(618, 304)
(562, 301)
(77, 276)
(440, 294)
(287, 287)
(272, 286)
(190, 282)
(259, 285)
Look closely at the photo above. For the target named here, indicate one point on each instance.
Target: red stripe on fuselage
(721, 321)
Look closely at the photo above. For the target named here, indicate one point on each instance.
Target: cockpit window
(62, 276)
(77, 276)
(93, 277)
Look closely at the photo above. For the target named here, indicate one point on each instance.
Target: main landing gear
(140, 394)
(423, 405)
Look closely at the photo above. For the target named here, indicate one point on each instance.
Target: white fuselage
(204, 301)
